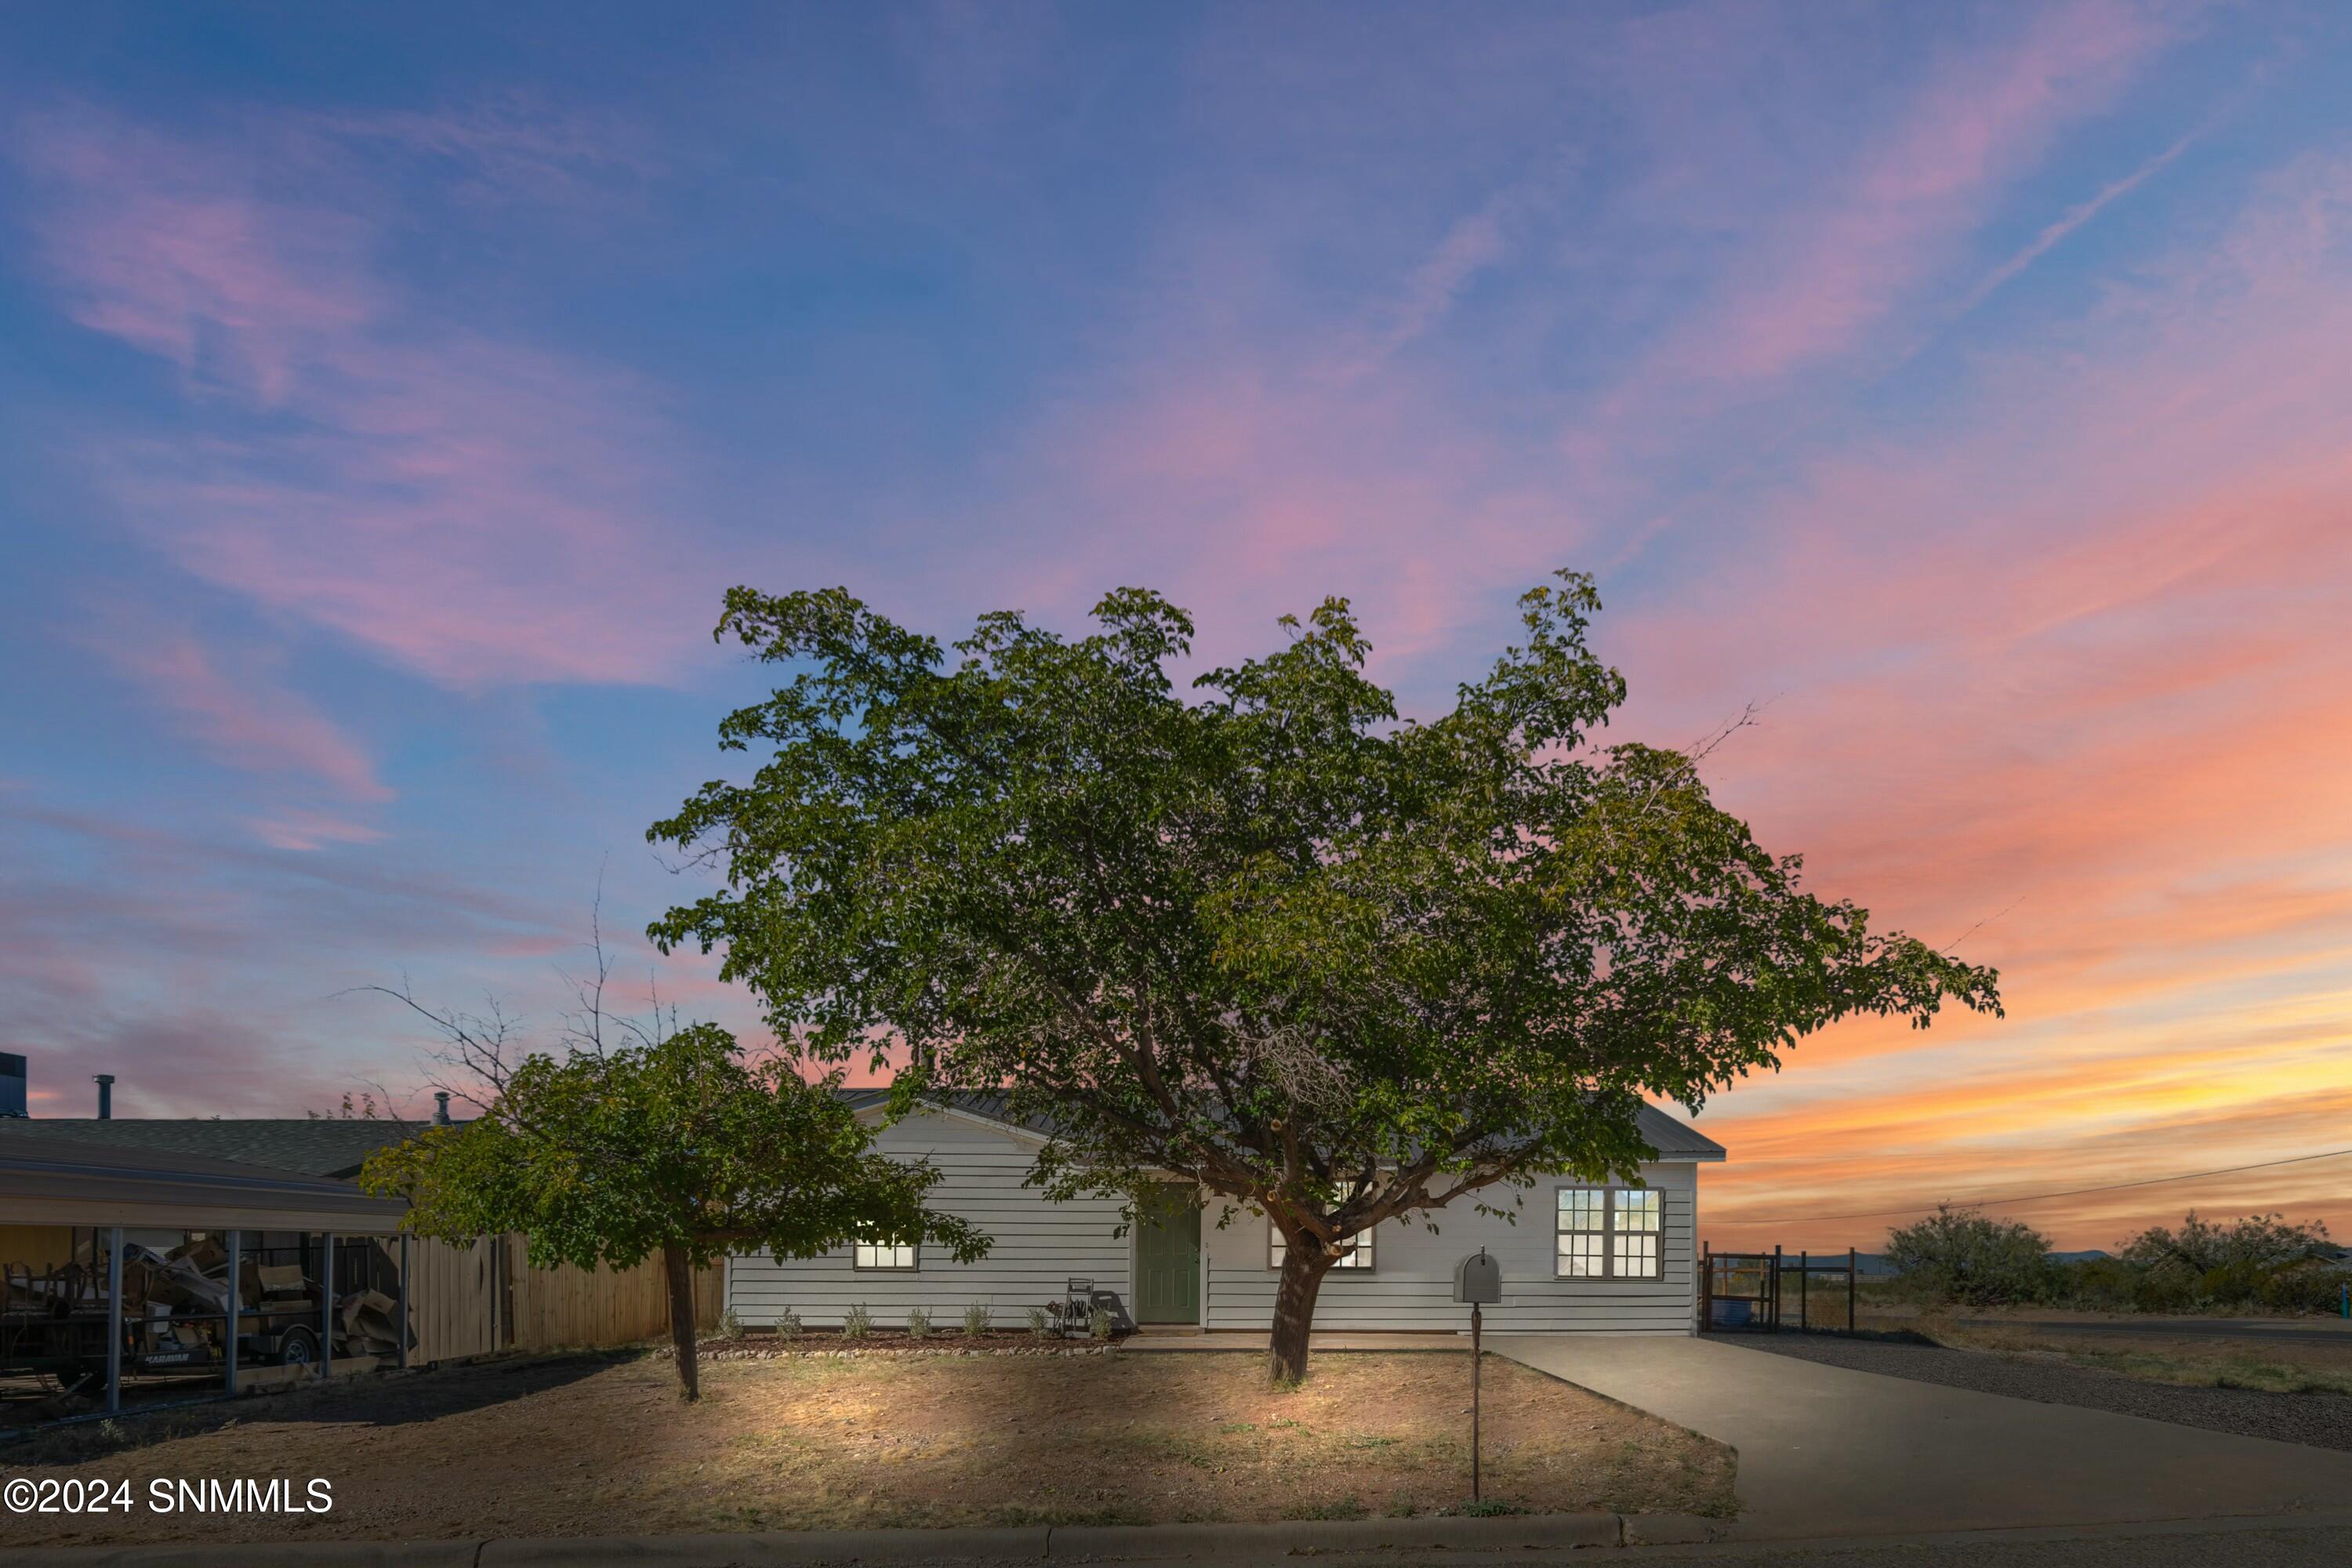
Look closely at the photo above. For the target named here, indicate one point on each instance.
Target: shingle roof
(323, 1146)
(1677, 1143)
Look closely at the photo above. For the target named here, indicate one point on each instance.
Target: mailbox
(1478, 1280)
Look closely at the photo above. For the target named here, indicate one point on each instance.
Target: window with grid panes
(1610, 1233)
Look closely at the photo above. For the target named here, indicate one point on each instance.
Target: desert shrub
(857, 1324)
(1959, 1254)
(1098, 1323)
(2096, 1285)
(919, 1323)
(788, 1325)
(2306, 1288)
(976, 1319)
(730, 1324)
(2259, 1244)
(2257, 1261)
(1040, 1324)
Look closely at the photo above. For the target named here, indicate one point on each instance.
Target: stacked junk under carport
(57, 1319)
(132, 1276)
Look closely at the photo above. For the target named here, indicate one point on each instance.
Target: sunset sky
(392, 394)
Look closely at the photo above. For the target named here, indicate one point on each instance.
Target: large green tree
(1335, 964)
(675, 1145)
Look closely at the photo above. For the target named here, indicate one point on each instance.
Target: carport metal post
(1777, 1283)
(1853, 1323)
(113, 1319)
(326, 1305)
(236, 1304)
(1804, 1291)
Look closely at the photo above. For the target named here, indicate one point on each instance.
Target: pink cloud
(296, 829)
(471, 508)
(1837, 268)
(244, 717)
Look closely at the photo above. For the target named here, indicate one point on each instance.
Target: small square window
(1362, 1257)
(884, 1255)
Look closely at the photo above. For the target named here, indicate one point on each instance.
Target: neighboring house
(1575, 1257)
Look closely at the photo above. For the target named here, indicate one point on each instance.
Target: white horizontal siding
(1411, 1285)
(1037, 1245)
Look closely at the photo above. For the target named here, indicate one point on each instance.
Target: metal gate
(1768, 1291)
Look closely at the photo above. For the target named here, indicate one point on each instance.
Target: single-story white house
(1575, 1257)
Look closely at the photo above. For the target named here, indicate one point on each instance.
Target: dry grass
(579, 1447)
(2275, 1366)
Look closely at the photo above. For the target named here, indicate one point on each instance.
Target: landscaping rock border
(833, 1348)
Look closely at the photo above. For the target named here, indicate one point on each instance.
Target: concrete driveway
(1826, 1451)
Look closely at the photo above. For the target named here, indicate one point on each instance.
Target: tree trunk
(681, 1319)
(1303, 1267)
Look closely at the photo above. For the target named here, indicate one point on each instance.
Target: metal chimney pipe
(105, 1082)
(440, 1108)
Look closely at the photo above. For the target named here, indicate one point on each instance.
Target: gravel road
(2322, 1420)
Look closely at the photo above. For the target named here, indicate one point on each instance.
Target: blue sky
(392, 397)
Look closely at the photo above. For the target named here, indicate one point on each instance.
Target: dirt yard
(600, 1447)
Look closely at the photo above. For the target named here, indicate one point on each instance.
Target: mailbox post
(1477, 1280)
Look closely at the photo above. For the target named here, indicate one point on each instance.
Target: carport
(108, 1189)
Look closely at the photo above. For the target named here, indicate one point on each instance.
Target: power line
(2039, 1197)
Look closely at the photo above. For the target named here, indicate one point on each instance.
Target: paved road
(1826, 1451)
(2318, 1331)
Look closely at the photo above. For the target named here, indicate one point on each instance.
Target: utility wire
(2039, 1197)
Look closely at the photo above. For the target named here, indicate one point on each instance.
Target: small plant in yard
(976, 1319)
(1039, 1325)
(919, 1323)
(1347, 1507)
(1488, 1507)
(730, 1324)
(1099, 1323)
(857, 1324)
(788, 1324)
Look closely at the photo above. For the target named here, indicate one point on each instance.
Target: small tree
(1332, 965)
(1959, 1254)
(673, 1146)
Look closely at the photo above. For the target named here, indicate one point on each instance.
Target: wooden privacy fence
(473, 1300)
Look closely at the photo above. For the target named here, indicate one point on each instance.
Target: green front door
(1167, 1258)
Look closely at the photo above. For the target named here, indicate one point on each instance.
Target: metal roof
(314, 1146)
(46, 1179)
(1677, 1143)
